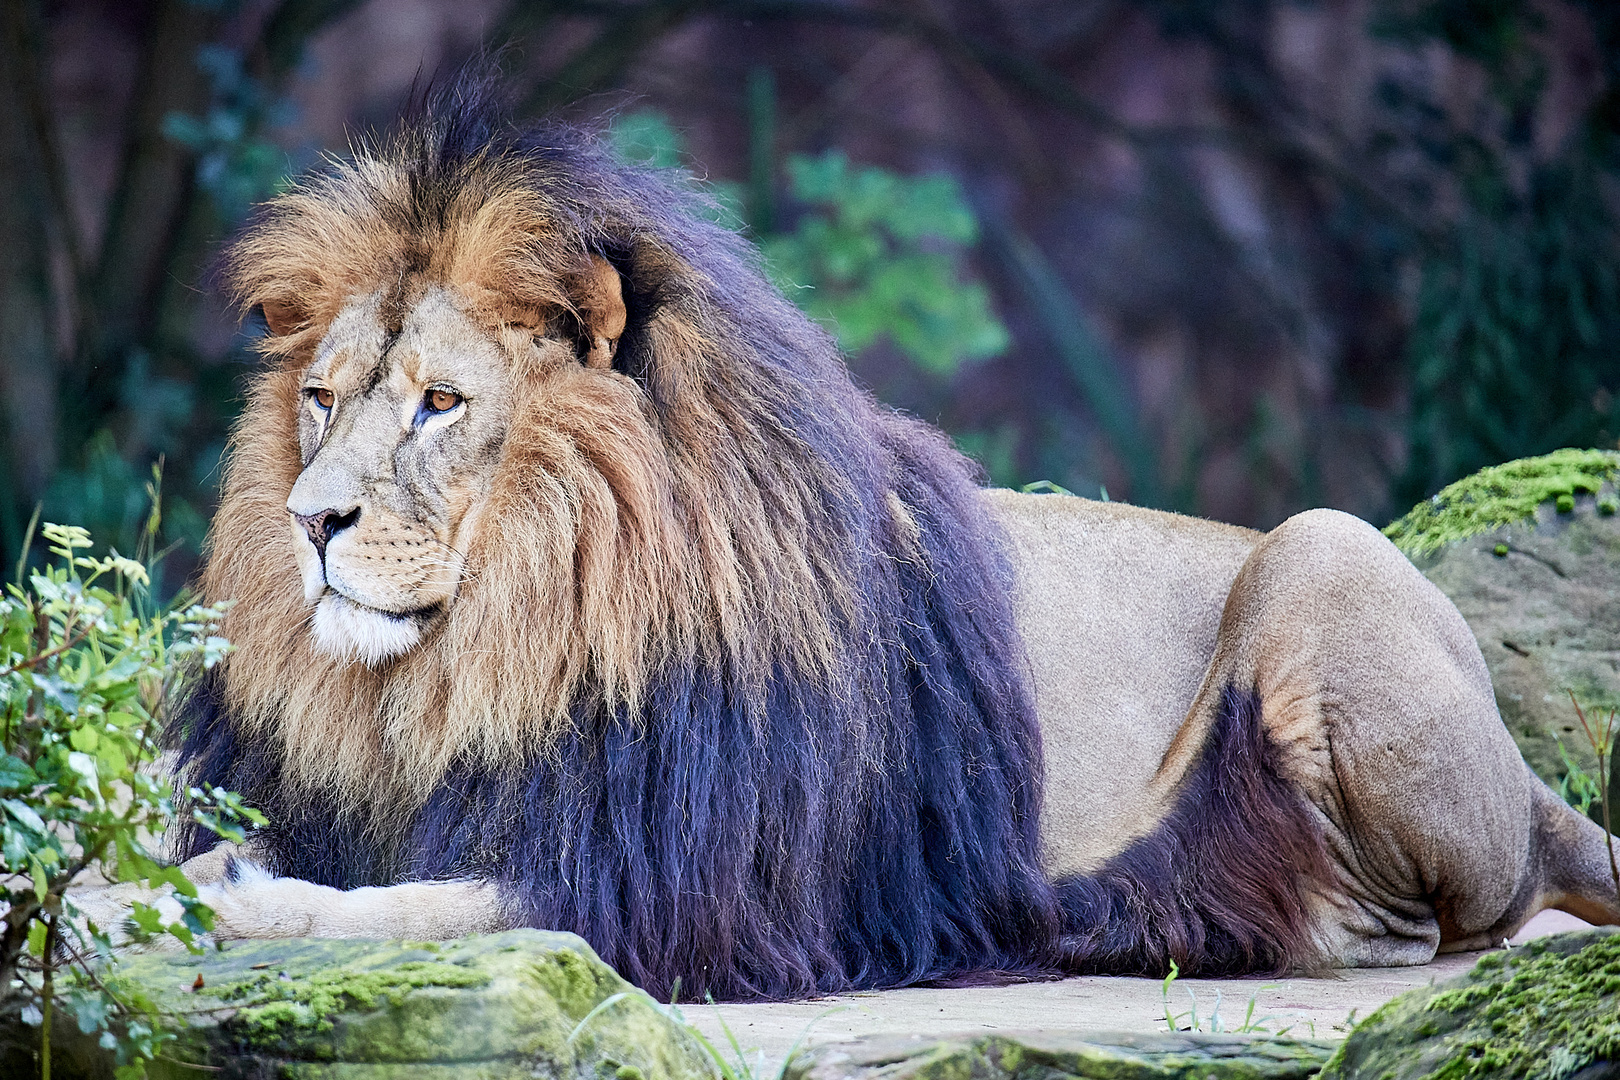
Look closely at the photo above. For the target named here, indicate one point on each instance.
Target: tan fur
(1373, 689)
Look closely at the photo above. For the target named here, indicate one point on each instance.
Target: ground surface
(1318, 1006)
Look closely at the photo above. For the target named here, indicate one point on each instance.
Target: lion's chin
(347, 631)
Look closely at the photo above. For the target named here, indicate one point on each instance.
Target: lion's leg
(1374, 694)
(251, 903)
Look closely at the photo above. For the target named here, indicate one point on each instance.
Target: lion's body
(578, 586)
(1116, 663)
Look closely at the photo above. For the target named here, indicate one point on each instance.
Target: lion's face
(400, 432)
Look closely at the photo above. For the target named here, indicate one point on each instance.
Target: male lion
(577, 586)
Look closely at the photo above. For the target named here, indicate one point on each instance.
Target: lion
(577, 585)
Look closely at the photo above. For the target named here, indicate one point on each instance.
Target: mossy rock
(1503, 495)
(482, 1008)
(1102, 1056)
(1538, 585)
(1549, 1010)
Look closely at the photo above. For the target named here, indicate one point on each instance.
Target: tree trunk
(28, 345)
(148, 209)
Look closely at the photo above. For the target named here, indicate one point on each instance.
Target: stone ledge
(1100, 1055)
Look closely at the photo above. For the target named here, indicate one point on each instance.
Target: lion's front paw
(111, 910)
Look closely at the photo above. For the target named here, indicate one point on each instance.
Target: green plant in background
(875, 255)
(1600, 734)
(88, 671)
(1515, 343)
(236, 165)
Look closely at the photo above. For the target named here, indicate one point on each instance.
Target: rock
(1549, 1009)
(1104, 1056)
(482, 1008)
(1539, 586)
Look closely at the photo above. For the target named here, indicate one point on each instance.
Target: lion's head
(516, 448)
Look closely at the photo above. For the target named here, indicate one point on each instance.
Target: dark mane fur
(755, 829)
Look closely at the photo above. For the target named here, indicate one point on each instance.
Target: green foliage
(1214, 1024)
(236, 165)
(1576, 786)
(1515, 344)
(110, 498)
(1501, 495)
(876, 256)
(87, 674)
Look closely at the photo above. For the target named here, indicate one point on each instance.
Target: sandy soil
(1304, 1006)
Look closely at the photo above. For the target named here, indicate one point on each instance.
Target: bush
(88, 670)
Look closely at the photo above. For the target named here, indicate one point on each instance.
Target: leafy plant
(873, 254)
(876, 255)
(1190, 1021)
(88, 672)
(1516, 326)
(236, 165)
(1577, 787)
(1600, 734)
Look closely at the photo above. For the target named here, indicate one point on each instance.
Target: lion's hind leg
(1380, 711)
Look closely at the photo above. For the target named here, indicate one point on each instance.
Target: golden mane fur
(612, 540)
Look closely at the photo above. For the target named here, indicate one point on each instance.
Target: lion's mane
(732, 687)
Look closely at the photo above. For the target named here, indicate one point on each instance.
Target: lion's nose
(323, 526)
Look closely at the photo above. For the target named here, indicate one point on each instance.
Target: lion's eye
(440, 400)
(322, 396)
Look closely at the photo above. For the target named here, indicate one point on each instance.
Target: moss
(1541, 1012)
(271, 1003)
(1502, 495)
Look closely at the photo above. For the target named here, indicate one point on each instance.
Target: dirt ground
(1317, 1007)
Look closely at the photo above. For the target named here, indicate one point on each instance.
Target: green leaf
(147, 919)
(41, 879)
(15, 773)
(13, 846)
(36, 938)
(89, 1009)
(25, 815)
(85, 738)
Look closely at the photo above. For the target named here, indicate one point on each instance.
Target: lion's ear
(597, 293)
(281, 317)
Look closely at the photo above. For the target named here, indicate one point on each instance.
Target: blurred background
(1229, 257)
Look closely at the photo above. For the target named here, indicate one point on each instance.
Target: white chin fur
(346, 631)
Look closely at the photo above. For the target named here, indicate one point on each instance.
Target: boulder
(1530, 554)
(1167, 1056)
(1548, 1010)
(525, 1003)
